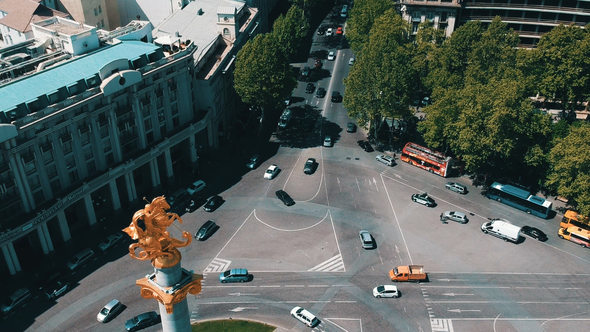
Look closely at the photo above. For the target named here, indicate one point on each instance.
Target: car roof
(272, 167)
(457, 213)
(389, 287)
(239, 271)
(111, 304)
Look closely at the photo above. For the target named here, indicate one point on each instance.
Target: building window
(102, 23)
(99, 9)
(430, 16)
(55, 185)
(226, 32)
(74, 177)
(95, 11)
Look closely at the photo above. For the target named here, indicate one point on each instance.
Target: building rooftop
(69, 72)
(21, 13)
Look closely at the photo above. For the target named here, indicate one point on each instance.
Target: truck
(502, 229)
(408, 273)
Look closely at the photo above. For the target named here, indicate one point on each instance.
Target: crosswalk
(217, 265)
(441, 325)
(334, 264)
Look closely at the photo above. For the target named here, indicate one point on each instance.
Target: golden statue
(155, 240)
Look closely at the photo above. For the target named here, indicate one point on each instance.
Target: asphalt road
(309, 254)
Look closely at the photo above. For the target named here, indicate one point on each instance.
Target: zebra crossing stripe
(443, 325)
(217, 265)
(334, 264)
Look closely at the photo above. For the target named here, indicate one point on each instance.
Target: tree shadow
(308, 128)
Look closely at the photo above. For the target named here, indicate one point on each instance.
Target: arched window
(226, 32)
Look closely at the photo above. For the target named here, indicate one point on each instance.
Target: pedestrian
(394, 155)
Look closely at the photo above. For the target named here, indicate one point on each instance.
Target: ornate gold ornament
(155, 240)
(166, 295)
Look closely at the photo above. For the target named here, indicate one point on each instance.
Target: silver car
(387, 160)
(457, 216)
(456, 187)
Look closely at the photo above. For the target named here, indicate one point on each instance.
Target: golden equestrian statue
(155, 240)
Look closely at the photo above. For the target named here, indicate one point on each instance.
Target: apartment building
(92, 119)
(443, 13)
(16, 17)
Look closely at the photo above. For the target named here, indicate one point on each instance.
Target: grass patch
(232, 325)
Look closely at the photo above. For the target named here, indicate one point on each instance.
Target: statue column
(42, 240)
(63, 225)
(13, 256)
(47, 237)
(8, 260)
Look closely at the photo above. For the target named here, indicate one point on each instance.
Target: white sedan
(331, 56)
(329, 32)
(385, 291)
(271, 172)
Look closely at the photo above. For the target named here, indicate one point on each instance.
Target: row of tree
(481, 84)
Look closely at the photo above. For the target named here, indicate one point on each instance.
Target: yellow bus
(575, 235)
(572, 218)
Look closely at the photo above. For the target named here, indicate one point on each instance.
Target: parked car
(80, 258)
(423, 199)
(234, 275)
(339, 31)
(271, 172)
(56, 289)
(533, 232)
(457, 216)
(350, 127)
(205, 231)
(456, 187)
(336, 97)
(327, 141)
(329, 32)
(213, 203)
(109, 311)
(318, 63)
(387, 160)
(321, 31)
(178, 197)
(385, 291)
(196, 187)
(17, 299)
(365, 146)
(351, 61)
(331, 56)
(305, 71)
(320, 92)
(305, 316)
(284, 197)
(310, 166)
(310, 88)
(366, 239)
(253, 162)
(110, 241)
(142, 321)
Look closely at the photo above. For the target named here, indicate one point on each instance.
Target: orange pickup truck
(408, 273)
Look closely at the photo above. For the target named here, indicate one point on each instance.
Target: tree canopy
(362, 17)
(291, 29)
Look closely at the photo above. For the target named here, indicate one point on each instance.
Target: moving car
(385, 291)
(350, 127)
(305, 316)
(271, 172)
(284, 197)
(336, 97)
(110, 241)
(423, 199)
(142, 321)
(56, 289)
(310, 88)
(213, 203)
(320, 93)
(253, 162)
(387, 160)
(309, 166)
(109, 311)
(456, 187)
(80, 259)
(305, 71)
(329, 32)
(234, 275)
(205, 230)
(366, 239)
(457, 216)
(331, 56)
(327, 141)
(533, 232)
(196, 187)
(17, 299)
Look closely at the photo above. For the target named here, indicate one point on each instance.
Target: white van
(344, 11)
(501, 229)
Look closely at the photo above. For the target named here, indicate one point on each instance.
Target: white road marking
(336, 238)
(375, 183)
(228, 241)
(292, 230)
(443, 325)
(397, 220)
(456, 294)
(464, 310)
(334, 264)
(217, 265)
(357, 184)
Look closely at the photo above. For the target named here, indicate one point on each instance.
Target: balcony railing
(527, 7)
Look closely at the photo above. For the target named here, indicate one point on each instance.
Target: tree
(263, 76)
(563, 59)
(291, 29)
(378, 84)
(428, 40)
(569, 173)
(361, 19)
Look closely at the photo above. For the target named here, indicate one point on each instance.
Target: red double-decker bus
(432, 161)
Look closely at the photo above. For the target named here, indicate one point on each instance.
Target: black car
(310, 165)
(320, 93)
(284, 197)
(321, 31)
(350, 127)
(213, 203)
(205, 230)
(310, 88)
(533, 232)
(305, 71)
(56, 289)
(142, 321)
(336, 97)
(365, 146)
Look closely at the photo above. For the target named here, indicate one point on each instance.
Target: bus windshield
(520, 199)
(572, 218)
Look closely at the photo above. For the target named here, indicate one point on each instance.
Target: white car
(351, 61)
(387, 160)
(110, 241)
(331, 56)
(457, 216)
(305, 316)
(328, 141)
(385, 291)
(196, 187)
(329, 32)
(271, 172)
